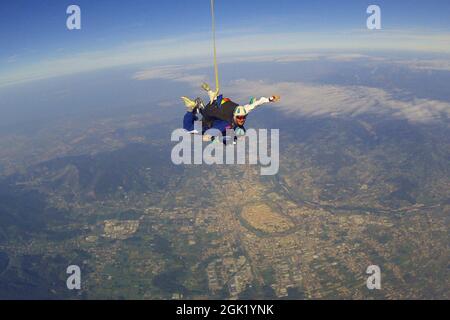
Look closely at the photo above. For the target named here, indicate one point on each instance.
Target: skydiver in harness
(220, 113)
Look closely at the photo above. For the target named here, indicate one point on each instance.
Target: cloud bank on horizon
(245, 46)
(315, 100)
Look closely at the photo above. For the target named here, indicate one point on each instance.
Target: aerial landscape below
(87, 176)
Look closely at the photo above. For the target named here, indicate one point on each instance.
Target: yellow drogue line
(216, 68)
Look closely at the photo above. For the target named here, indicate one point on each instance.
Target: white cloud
(172, 72)
(184, 73)
(426, 64)
(12, 59)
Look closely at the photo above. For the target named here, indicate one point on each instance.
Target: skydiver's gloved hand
(274, 98)
(207, 138)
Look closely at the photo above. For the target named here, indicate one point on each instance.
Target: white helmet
(240, 111)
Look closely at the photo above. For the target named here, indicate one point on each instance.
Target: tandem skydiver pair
(220, 113)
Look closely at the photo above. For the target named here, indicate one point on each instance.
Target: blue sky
(33, 33)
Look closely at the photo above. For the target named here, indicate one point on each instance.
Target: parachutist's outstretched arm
(259, 102)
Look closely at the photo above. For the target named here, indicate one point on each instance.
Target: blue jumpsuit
(221, 125)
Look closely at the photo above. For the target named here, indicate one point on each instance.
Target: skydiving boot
(206, 87)
(192, 105)
(212, 94)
